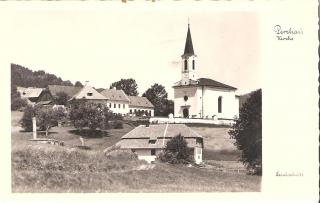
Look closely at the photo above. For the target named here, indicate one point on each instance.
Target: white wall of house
(120, 107)
(145, 154)
(197, 155)
(132, 110)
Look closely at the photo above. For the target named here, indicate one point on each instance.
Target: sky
(104, 45)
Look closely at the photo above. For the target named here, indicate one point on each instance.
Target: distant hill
(22, 76)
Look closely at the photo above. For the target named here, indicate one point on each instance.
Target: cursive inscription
(286, 33)
(278, 173)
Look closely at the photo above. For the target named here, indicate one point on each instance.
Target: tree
(91, 115)
(158, 95)
(16, 101)
(247, 132)
(61, 98)
(129, 86)
(48, 118)
(78, 84)
(176, 151)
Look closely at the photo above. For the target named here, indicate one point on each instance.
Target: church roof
(207, 82)
(188, 49)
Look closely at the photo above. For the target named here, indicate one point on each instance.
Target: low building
(118, 101)
(148, 141)
(140, 106)
(35, 95)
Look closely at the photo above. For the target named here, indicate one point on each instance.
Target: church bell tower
(188, 61)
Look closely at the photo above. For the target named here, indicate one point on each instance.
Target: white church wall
(210, 103)
(180, 103)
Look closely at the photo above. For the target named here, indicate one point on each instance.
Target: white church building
(202, 97)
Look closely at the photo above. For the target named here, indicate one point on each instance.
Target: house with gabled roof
(202, 97)
(147, 141)
(140, 106)
(88, 93)
(35, 95)
(118, 101)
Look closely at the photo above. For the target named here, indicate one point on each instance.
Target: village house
(118, 101)
(35, 95)
(140, 106)
(88, 93)
(148, 141)
(202, 97)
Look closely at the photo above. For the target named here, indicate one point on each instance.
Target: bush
(117, 124)
(26, 120)
(176, 151)
(247, 131)
(18, 103)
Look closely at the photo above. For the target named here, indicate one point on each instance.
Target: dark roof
(157, 131)
(140, 136)
(213, 83)
(205, 82)
(69, 90)
(188, 49)
(138, 101)
(115, 95)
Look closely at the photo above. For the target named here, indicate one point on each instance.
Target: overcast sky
(105, 45)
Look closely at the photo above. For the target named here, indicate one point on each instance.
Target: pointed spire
(188, 49)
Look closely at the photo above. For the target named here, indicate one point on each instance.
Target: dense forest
(22, 76)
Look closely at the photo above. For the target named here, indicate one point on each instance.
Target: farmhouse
(202, 97)
(118, 101)
(88, 93)
(148, 141)
(68, 90)
(35, 95)
(139, 106)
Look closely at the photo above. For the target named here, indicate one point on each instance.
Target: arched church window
(220, 104)
(185, 65)
(185, 98)
(193, 64)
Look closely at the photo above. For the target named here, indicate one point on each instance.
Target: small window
(185, 65)
(153, 152)
(124, 106)
(193, 64)
(220, 104)
(115, 106)
(152, 141)
(109, 105)
(130, 111)
(89, 94)
(135, 110)
(119, 106)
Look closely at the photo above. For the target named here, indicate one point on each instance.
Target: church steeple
(188, 61)
(188, 49)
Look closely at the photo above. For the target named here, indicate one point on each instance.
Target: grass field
(50, 168)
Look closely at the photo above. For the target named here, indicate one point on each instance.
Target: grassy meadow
(51, 168)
